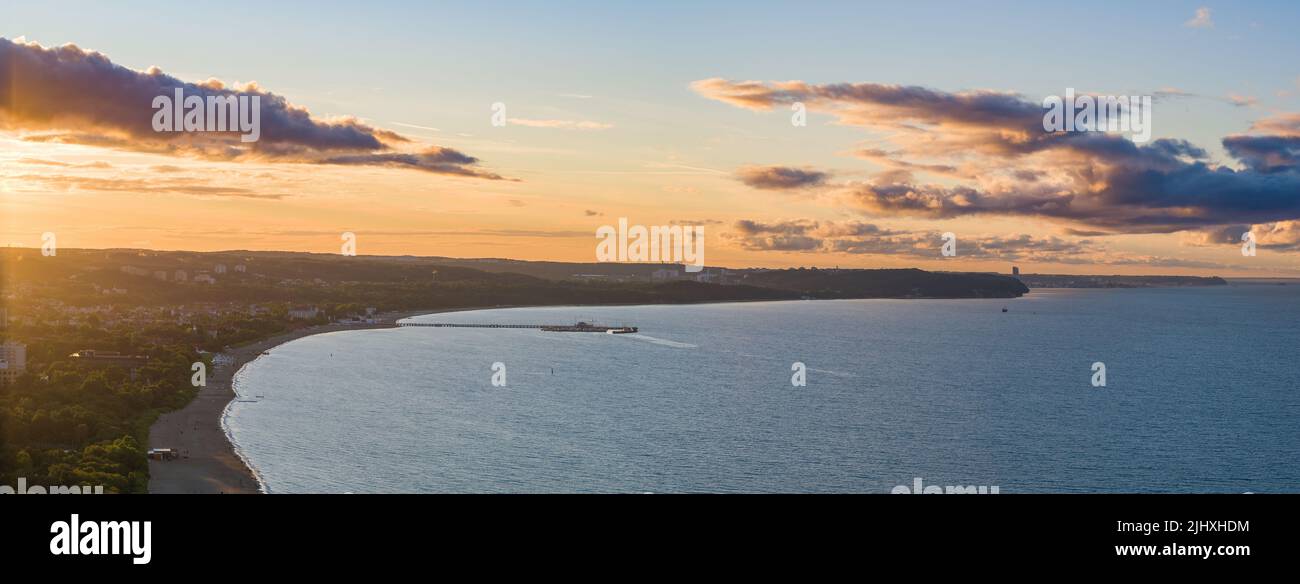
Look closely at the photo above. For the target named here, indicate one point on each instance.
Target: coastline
(210, 462)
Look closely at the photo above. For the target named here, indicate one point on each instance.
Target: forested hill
(82, 277)
(905, 283)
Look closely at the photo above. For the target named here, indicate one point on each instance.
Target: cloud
(560, 124)
(891, 159)
(856, 237)
(1242, 100)
(694, 222)
(43, 162)
(416, 126)
(1004, 163)
(1280, 236)
(780, 177)
(179, 186)
(783, 236)
(437, 160)
(1201, 19)
(74, 96)
(1282, 125)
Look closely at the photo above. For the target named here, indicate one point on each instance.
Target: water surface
(1200, 397)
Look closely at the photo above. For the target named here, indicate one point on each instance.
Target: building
(303, 312)
(1015, 271)
(163, 454)
(160, 275)
(180, 276)
(220, 268)
(13, 361)
(241, 268)
(204, 279)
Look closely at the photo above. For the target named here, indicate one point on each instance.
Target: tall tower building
(13, 361)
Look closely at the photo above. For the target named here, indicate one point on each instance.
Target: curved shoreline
(230, 437)
(210, 462)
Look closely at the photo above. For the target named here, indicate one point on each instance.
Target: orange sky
(571, 163)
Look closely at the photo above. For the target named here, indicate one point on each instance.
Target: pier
(581, 327)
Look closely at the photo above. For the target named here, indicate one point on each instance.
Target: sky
(920, 121)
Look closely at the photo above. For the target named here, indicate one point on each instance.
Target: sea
(1201, 394)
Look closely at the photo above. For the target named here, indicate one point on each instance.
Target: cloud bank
(73, 96)
(994, 157)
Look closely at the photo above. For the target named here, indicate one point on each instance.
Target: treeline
(899, 283)
(66, 424)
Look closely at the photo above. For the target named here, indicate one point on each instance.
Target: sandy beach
(208, 462)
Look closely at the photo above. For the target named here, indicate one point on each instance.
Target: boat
(587, 327)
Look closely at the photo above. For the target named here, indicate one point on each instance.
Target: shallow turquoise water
(1201, 396)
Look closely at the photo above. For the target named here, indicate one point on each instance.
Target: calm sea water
(1201, 396)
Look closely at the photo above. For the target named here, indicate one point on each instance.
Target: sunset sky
(921, 120)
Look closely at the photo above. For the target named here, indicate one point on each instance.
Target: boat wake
(658, 341)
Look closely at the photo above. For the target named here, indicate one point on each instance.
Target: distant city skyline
(921, 120)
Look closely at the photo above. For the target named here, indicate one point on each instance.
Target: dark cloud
(780, 177)
(1007, 165)
(1265, 154)
(436, 160)
(784, 236)
(70, 95)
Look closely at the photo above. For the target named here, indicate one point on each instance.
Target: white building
(220, 268)
(180, 276)
(204, 279)
(160, 275)
(13, 361)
